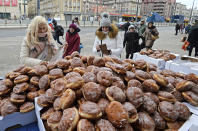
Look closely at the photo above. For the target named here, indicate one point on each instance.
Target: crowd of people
(39, 44)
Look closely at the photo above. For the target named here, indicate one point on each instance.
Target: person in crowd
(151, 34)
(76, 22)
(38, 45)
(177, 28)
(72, 40)
(193, 39)
(108, 34)
(182, 28)
(187, 29)
(131, 42)
(59, 31)
(141, 30)
(126, 26)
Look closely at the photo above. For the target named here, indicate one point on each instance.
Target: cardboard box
(38, 115)
(17, 118)
(190, 124)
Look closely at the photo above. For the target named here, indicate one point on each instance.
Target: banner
(7, 2)
(1, 2)
(14, 2)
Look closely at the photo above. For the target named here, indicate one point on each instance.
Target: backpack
(60, 30)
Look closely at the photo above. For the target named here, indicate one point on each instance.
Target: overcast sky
(188, 3)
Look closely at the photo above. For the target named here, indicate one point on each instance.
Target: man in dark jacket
(59, 31)
(177, 28)
(131, 40)
(126, 26)
(193, 39)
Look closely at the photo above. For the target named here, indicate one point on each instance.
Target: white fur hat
(105, 21)
(131, 26)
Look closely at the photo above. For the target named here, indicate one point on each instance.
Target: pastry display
(114, 93)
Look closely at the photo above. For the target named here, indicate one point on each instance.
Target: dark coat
(177, 27)
(193, 36)
(131, 40)
(73, 40)
(126, 26)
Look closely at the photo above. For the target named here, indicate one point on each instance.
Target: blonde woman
(38, 45)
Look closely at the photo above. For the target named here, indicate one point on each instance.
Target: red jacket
(73, 41)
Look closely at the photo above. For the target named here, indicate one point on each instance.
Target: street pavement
(11, 39)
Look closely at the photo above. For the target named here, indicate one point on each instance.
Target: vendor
(108, 34)
(38, 45)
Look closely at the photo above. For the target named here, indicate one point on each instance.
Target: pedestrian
(182, 28)
(76, 22)
(131, 41)
(193, 39)
(72, 40)
(177, 28)
(141, 30)
(38, 45)
(59, 31)
(187, 29)
(107, 34)
(126, 27)
(150, 35)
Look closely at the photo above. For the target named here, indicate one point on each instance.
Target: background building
(13, 9)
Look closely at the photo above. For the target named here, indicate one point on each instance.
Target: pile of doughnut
(159, 54)
(88, 93)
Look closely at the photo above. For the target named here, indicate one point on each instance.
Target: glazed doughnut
(85, 125)
(184, 112)
(17, 99)
(75, 54)
(89, 77)
(114, 93)
(174, 126)
(91, 92)
(69, 120)
(150, 86)
(68, 70)
(133, 115)
(159, 121)
(145, 122)
(104, 78)
(192, 77)
(166, 96)
(117, 114)
(153, 97)
(74, 80)
(32, 95)
(20, 88)
(161, 80)
(21, 79)
(7, 82)
(67, 99)
(58, 86)
(41, 70)
(129, 76)
(51, 65)
(103, 103)
(76, 62)
(117, 81)
(141, 75)
(134, 83)
(25, 70)
(167, 111)
(99, 62)
(185, 85)
(7, 108)
(104, 125)
(84, 59)
(32, 88)
(63, 63)
(93, 69)
(54, 119)
(49, 94)
(34, 80)
(27, 107)
(140, 64)
(80, 70)
(4, 89)
(135, 96)
(178, 95)
(90, 60)
(44, 82)
(55, 73)
(118, 68)
(149, 105)
(45, 115)
(90, 110)
(57, 104)
(42, 101)
(13, 75)
(190, 97)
